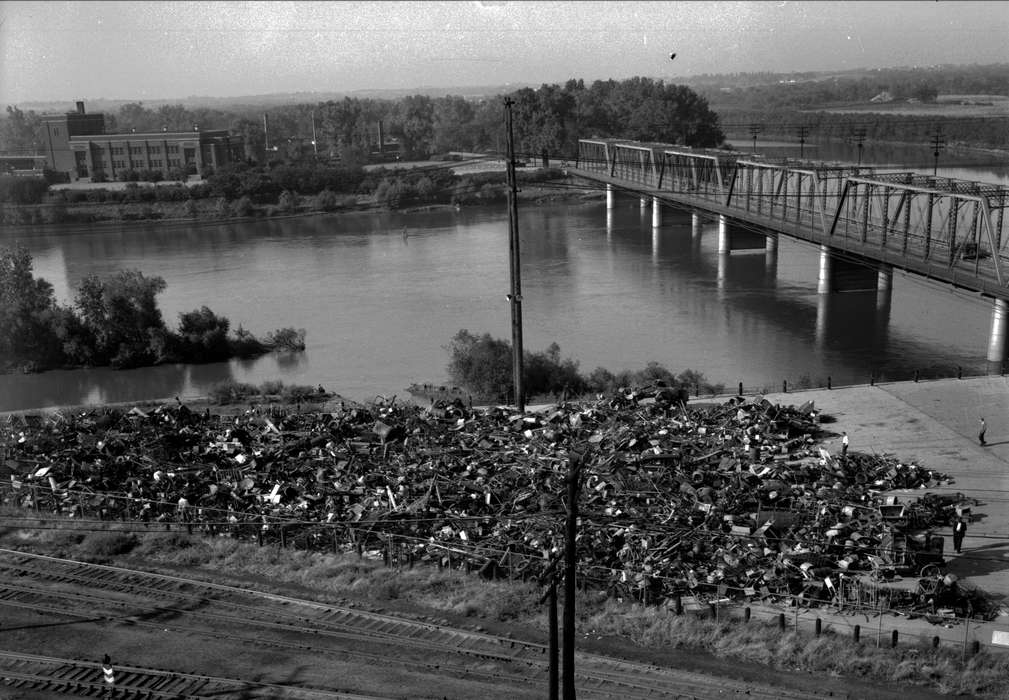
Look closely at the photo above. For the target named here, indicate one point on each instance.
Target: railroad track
(77, 678)
(495, 659)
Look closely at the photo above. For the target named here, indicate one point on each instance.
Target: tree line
(551, 118)
(114, 321)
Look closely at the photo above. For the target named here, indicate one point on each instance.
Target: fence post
(784, 386)
(781, 621)
(818, 626)
(966, 627)
(740, 388)
(916, 376)
(893, 639)
(746, 614)
(857, 632)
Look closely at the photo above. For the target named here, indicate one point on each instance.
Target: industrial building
(76, 144)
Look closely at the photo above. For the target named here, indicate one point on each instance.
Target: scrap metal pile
(735, 498)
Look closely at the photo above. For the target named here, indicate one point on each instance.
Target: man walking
(980, 432)
(959, 530)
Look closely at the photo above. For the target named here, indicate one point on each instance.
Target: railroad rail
(495, 659)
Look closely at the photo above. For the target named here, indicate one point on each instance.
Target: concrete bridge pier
(841, 275)
(643, 202)
(997, 336)
(656, 212)
(609, 197)
(884, 289)
(732, 238)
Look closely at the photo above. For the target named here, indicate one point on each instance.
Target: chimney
(80, 107)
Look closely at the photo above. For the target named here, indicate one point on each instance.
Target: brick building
(76, 144)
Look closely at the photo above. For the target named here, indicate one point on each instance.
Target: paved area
(935, 424)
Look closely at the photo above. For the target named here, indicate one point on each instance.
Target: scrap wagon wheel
(930, 571)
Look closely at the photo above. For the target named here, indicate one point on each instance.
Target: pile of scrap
(733, 498)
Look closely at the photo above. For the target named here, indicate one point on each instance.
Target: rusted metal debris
(732, 498)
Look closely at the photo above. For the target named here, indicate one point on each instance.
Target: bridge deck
(944, 229)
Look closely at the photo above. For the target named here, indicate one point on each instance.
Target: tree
(481, 363)
(19, 131)
(28, 313)
(414, 125)
(121, 314)
(203, 336)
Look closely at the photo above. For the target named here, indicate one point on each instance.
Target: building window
(173, 149)
(136, 150)
(155, 149)
(173, 162)
(155, 162)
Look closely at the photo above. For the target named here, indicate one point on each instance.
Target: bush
(129, 175)
(22, 190)
(203, 336)
(99, 176)
(299, 393)
(286, 339)
(243, 207)
(232, 392)
(325, 201)
(287, 202)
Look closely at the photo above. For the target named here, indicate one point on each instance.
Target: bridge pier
(643, 202)
(609, 196)
(839, 275)
(997, 336)
(732, 238)
(656, 212)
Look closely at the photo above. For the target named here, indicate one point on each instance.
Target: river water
(379, 305)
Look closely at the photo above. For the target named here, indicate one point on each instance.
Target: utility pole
(754, 130)
(315, 143)
(549, 576)
(938, 144)
(575, 462)
(803, 133)
(859, 136)
(515, 297)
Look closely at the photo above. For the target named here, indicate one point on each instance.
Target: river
(379, 305)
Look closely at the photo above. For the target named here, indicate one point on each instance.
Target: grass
(334, 577)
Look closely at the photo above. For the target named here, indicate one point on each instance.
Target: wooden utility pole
(570, 564)
(803, 133)
(549, 577)
(938, 144)
(754, 130)
(515, 297)
(859, 136)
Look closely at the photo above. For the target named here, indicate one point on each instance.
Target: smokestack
(80, 107)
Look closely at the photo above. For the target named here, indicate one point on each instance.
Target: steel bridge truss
(953, 229)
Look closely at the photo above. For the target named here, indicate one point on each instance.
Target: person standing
(844, 445)
(959, 530)
(980, 432)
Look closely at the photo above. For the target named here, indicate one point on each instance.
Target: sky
(52, 50)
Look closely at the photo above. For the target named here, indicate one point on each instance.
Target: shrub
(23, 190)
(326, 201)
(286, 339)
(107, 544)
(298, 393)
(481, 363)
(288, 201)
(243, 207)
(232, 392)
(99, 176)
(271, 387)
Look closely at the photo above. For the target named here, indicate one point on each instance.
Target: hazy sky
(146, 50)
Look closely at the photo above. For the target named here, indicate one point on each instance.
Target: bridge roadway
(941, 228)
